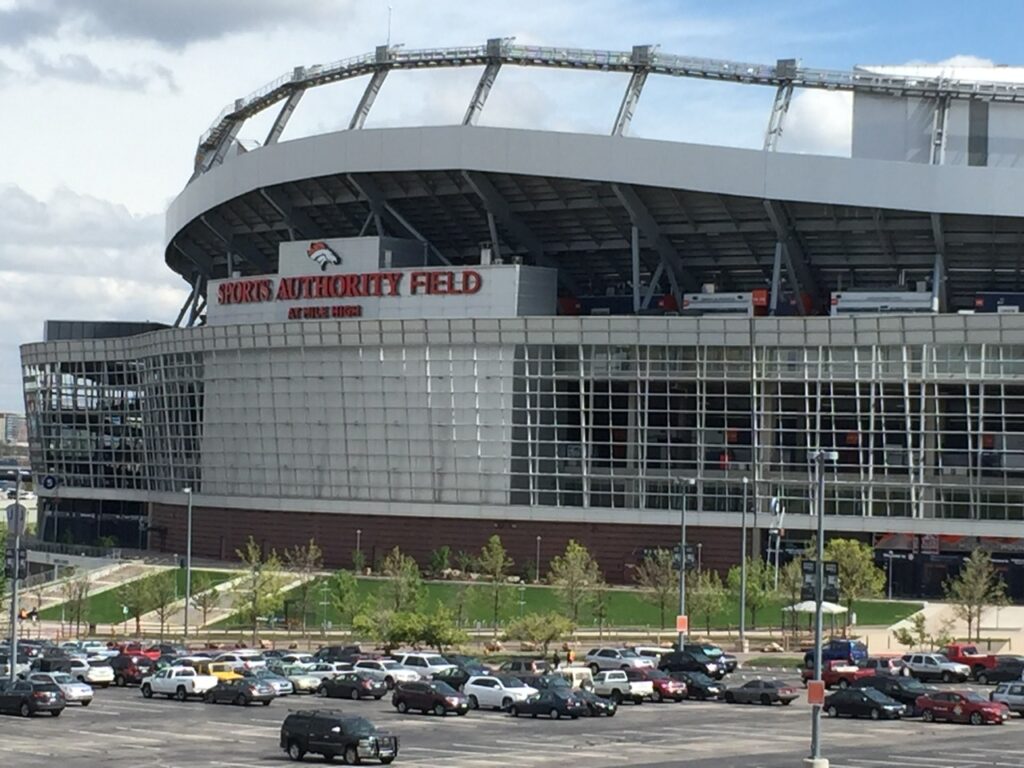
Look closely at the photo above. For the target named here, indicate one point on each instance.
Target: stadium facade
(423, 336)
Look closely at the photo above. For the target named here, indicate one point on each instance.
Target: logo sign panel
(816, 693)
(682, 623)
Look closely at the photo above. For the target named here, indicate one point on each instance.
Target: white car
(328, 669)
(97, 648)
(599, 659)
(496, 691)
(243, 659)
(426, 664)
(296, 659)
(74, 691)
(180, 682)
(96, 671)
(650, 651)
(302, 680)
(387, 670)
(616, 685)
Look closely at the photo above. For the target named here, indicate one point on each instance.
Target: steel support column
(629, 102)
(372, 89)
(482, 91)
(644, 221)
(777, 280)
(939, 120)
(284, 116)
(379, 206)
(635, 252)
(249, 252)
(797, 267)
(655, 280)
(783, 97)
(188, 301)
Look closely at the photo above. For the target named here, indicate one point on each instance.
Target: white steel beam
(370, 94)
(783, 96)
(939, 122)
(629, 102)
(777, 281)
(481, 92)
(284, 116)
(797, 267)
(645, 222)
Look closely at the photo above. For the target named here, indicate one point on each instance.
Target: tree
(76, 600)
(136, 596)
(463, 595)
(658, 577)
(760, 585)
(163, 594)
(539, 629)
(304, 561)
(358, 561)
(494, 564)
(600, 605)
(859, 577)
(258, 593)
(706, 597)
(205, 595)
(343, 587)
(440, 631)
(440, 560)
(976, 586)
(574, 574)
(403, 588)
(916, 636)
(791, 579)
(390, 629)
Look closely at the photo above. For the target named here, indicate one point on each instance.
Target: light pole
(692, 482)
(188, 558)
(359, 536)
(700, 556)
(536, 576)
(820, 457)
(743, 569)
(888, 578)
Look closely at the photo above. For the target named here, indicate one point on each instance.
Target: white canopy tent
(808, 606)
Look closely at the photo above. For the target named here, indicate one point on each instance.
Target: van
(577, 677)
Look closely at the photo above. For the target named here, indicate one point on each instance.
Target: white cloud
(818, 123)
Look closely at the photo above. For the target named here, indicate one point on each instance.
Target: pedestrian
(570, 657)
(555, 660)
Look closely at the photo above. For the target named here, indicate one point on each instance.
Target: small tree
(859, 577)
(358, 561)
(916, 636)
(343, 587)
(388, 628)
(403, 588)
(304, 562)
(495, 564)
(658, 577)
(136, 596)
(574, 574)
(760, 585)
(706, 597)
(440, 630)
(76, 600)
(258, 593)
(440, 560)
(791, 579)
(164, 593)
(205, 595)
(600, 605)
(463, 596)
(464, 561)
(539, 629)
(977, 585)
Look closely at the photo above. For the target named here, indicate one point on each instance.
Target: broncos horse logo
(322, 254)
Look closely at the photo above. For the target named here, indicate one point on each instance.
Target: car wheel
(56, 712)
(351, 756)
(616, 697)
(119, 681)
(386, 760)
(832, 711)
(947, 677)
(81, 679)
(180, 694)
(730, 698)
(322, 691)
(983, 678)
(928, 716)
(241, 701)
(24, 710)
(594, 668)
(506, 703)
(147, 692)
(439, 710)
(513, 710)
(473, 703)
(354, 695)
(389, 682)
(843, 684)
(295, 752)
(657, 697)
(766, 699)
(875, 714)
(266, 703)
(402, 707)
(208, 697)
(976, 718)
(554, 714)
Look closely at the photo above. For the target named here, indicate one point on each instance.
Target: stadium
(422, 336)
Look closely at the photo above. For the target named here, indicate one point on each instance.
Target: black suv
(726, 661)
(429, 696)
(24, 698)
(687, 661)
(333, 734)
(346, 653)
(1008, 669)
(905, 690)
(130, 669)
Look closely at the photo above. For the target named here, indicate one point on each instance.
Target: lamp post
(743, 568)
(359, 536)
(536, 576)
(188, 558)
(700, 556)
(692, 482)
(888, 578)
(820, 457)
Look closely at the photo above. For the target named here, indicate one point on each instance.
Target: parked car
(935, 666)
(74, 691)
(349, 653)
(596, 705)
(282, 685)
(242, 659)
(969, 655)
(616, 685)
(576, 676)
(496, 691)
(424, 663)
(25, 698)
(553, 703)
(302, 681)
(666, 687)
(293, 659)
(180, 682)
(131, 669)
(326, 670)
(244, 691)
(352, 685)
(836, 674)
(650, 651)
(687, 661)
(883, 665)
(388, 671)
(429, 696)
(725, 661)
(456, 677)
(1007, 670)
(699, 686)
(905, 690)
(524, 667)
(840, 649)
(600, 659)
(760, 691)
(863, 702)
(334, 734)
(544, 682)
(96, 672)
(222, 670)
(962, 707)
(1010, 694)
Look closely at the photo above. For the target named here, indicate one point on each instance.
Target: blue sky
(105, 100)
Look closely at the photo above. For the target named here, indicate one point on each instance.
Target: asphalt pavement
(122, 730)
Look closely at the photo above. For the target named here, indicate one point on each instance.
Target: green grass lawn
(626, 607)
(105, 608)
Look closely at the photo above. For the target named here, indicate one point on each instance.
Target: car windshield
(391, 665)
(62, 679)
(435, 661)
(941, 659)
(512, 682)
(875, 695)
(914, 686)
(972, 696)
(360, 726)
(627, 654)
(711, 651)
(699, 678)
(656, 674)
(443, 688)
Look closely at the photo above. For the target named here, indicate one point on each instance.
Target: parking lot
(122, 729)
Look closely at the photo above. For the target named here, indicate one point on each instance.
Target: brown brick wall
(219, 532)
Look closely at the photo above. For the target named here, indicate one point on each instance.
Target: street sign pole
(12, 659)
(816, 760)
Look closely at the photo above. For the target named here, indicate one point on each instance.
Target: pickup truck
(616, 685)
(836, 673)
(964, 653)
(178, 682)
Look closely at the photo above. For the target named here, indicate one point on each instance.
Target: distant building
(14, 428)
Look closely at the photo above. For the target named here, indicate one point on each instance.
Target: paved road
(123, 730)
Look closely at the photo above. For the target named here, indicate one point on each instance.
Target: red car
(836, 673)
(961, 707)
(665, 688)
